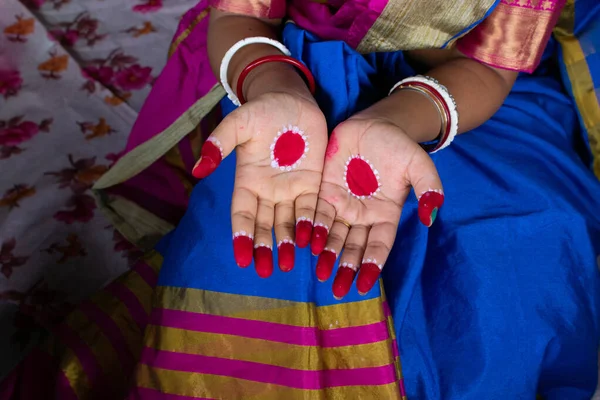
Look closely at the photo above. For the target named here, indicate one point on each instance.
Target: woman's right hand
(280, 140)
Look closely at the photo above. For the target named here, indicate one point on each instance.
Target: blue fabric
(500, 299)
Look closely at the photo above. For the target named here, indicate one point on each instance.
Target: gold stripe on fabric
(255, 8)
(140, 288)
(154, 259)
(183, 35)
(581, 80)
(421, 24)
(73, 370)
(271, 310)
(119, 313)
(266, 352)
(512, 37)
(100, 346)
(220, 387)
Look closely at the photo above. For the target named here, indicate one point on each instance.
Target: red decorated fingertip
(210, 158)
(319, 238)
(368, 275)
(343, 280)
(429, 204)
(303, 231)
(242, 248)
(286, 254)
(325, 264)
(263, 260)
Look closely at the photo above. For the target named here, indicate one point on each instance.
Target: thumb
(217, 146)
(426, 182)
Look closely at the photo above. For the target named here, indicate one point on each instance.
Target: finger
(380, 242)
(354, 249)
(263, 239)
(335, 242)
(305, 214)
(323, 220)
(284, 232)
(243, 215)
(219, 145)
(426, 182)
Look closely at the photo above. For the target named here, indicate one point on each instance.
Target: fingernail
(368, 275)
(319, 238)
(263, 260)
(303, 231)
(242, 249)
(343, 280)
(285, 254)
(325, 264)
(210, 158)
(429, 204)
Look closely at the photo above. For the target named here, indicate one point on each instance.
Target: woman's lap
(499, 297)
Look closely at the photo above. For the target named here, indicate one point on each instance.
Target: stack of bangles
(429, 87)
(442, 100)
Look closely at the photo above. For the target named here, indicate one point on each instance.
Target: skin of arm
(479, 91)
(226, 29)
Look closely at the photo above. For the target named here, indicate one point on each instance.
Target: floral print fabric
(73, 75)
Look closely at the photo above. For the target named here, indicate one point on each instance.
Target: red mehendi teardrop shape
(361, 180)
(289, 149)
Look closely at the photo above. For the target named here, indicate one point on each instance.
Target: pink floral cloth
(73, 76)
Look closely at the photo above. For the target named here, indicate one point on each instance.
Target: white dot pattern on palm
(274, 161)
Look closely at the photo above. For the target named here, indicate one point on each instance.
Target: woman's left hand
(370, 167)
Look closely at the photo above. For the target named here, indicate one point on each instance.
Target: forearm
(226, 29)
(479, 92)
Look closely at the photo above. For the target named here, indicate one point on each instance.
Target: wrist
(410, 111)
(275, 77)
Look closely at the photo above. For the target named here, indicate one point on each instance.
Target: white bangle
(448, 100)
(231, 52)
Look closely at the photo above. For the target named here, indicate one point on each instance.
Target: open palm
(370, 168)
(280, 142)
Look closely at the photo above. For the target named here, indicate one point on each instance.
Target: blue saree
(500, 299)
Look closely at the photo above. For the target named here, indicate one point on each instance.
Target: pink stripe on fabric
(253, 371)
(147, 273)
(112, 332)
(82, 352)
(386, 309)
(395, 351)
(365, 21)
(131, 301)
(303, 336)
(141, 393)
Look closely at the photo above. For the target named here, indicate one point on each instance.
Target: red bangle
(441, 139)
(310, 79)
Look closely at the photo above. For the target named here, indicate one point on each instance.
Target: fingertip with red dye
(263, 260)
(368, 275)
(286, 255)
(210, 158)
(242, 248)
(319, 238)
(325, 264)
(343, 280)
(304, 227)
(429, 204)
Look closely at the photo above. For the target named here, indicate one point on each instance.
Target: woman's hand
(280, 140)
(370, 167)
